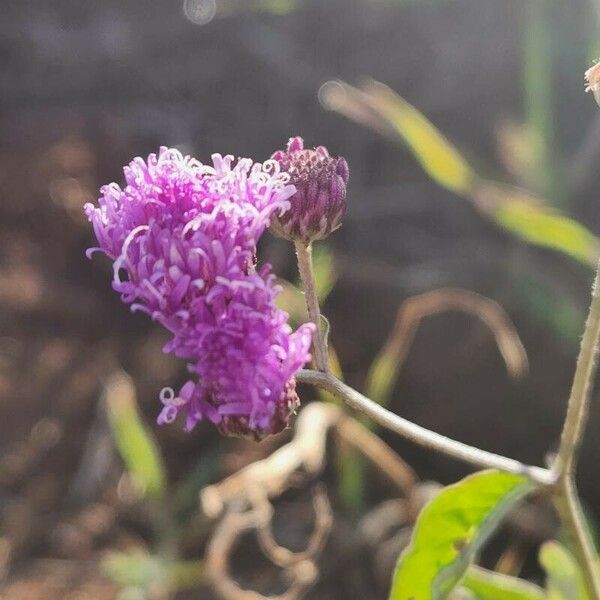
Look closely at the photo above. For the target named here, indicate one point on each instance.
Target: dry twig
(245, 498)
(414, 309)
(305, 453)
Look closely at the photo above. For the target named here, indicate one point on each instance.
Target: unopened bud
(319, 204)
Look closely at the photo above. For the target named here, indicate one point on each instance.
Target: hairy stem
(579, 400)
(565, 495)
(421, 435)
(559, 480)
(305, 266)
(580, 540)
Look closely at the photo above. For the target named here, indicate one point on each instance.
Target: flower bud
(319, 204)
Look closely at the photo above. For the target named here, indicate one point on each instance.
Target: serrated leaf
(564, 577)
(450, 530)
(487, 585)
(135, 443)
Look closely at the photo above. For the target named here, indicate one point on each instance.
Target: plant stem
(421, 435)
(305, 266)
(565, 496)
(559, 479)
(579, 400)
(572, 518)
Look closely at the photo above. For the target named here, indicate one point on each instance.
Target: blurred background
(86, 86)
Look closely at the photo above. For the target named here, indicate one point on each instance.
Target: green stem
(305, 267)
(579, 399)
(580, 540)
(565, 496)
(421, 435)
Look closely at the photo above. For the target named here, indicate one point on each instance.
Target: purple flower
(183, 238)
(319, 204)
(245, 355)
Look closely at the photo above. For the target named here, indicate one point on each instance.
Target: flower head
(592, 81)
(183, 238)
(319, 204)
(245, 356)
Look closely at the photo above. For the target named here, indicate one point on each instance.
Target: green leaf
(438, 157)
(382, 375)
(278, 7)
(548, 228)
(564, 577)
(450, 530)
(184, 499)
(324, 271)
(380, 108)
(488, 585)
(546, 302)
(352, 480)
(136, 445)
(141, 571)
(187, 574)
(538, 48)
(135, 569)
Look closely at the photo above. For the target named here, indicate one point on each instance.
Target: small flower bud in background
(319, 204)
(592, 81)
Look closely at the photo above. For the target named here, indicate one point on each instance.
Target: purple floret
(183, 238)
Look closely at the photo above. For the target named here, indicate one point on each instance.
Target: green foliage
(548, 303)
(278, 7)
(351, 466)
(538, 93)
(135, 443)
(487, 585)
(291, 298)
(325, 275)
(519, 212)
(438, 157)
(449, 532)
(141, 573)
(382, 375)
(138, 570)
(184, 499)
(529, 220)
(564, 577)
(352, 480)
(548, 228)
